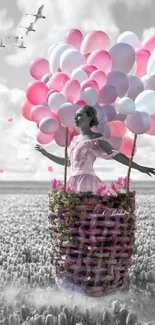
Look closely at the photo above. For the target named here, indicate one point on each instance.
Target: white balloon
(151, 64)
(89, 96)
(51, 48)
(133, 70)
(54, 58)
(125, 105)
(79, 75)
(129, 38)
(48, 125)
(67, 113)
(138, 122)
(70, 60)
(55, 100)
(145, 78)
(145, 102)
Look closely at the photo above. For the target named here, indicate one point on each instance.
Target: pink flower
(54, 183)
(125, 183)
(101, 188)
(120, 181)
(115, 187)
(68, 189)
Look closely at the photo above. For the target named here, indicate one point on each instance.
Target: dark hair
(91, 112)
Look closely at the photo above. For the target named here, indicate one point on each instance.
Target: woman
(85, 148)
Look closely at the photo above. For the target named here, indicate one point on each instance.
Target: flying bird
(2, 43)
(39, 14)
(21, 46)
(29, 28)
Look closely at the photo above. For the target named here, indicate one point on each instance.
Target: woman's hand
(146, 170)
(40, 149)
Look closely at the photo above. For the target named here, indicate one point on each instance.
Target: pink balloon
(72, 90)
(138, 122)
(150, 83)
(39, 67)
(118, 128)
(95, 40)
(51, 91)
(60, 136)
(120, 117)
(116, 142)
(119, 80)
(123, 57)
(136, 86)
(142, 57)
(149, 43)
(48, 125)
(26, 110)
(74, 37)
(80, 102)
(100, 77)
(58, 81)
(88, 69)
(37, 92)
(44, 138)
(126, 147)
(151, 130)
(101, 60)
(38, 112)
(109, 112)
(89, 83)
(107, 94)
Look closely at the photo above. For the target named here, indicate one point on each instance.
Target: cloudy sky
(18, 159)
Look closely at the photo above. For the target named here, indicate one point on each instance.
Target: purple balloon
(150, 83)
(119, 80)
(109, 112)
(46, 78)
(116, 142)
(120, 117)
(135, 87)
(107, 94)
(107, 130)
(138, 122)
(99, 128)
(123, 57)
(48, 125)
(100, 112)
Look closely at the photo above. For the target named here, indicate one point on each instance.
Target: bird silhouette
(22, 46)
(39, 14)
(29, 28)
(2, 43)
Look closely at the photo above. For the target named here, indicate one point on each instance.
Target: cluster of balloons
(118, 80)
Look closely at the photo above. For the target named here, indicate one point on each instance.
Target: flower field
(28, 294)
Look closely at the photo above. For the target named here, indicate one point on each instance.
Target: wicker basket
(92, 240)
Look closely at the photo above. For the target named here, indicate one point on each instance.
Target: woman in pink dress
(85, 148)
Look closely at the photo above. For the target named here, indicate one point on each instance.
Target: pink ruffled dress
(82, 155)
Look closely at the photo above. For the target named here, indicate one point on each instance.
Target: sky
(18, 158)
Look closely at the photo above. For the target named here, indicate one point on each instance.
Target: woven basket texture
(92, 244)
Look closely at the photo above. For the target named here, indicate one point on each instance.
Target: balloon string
(66, 159)
(130, 164)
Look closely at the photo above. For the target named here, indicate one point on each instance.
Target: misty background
(18, 159)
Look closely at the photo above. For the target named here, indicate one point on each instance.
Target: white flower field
(28, 294)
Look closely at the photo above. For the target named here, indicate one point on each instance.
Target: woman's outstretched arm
(57, 160)
(121, 158)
